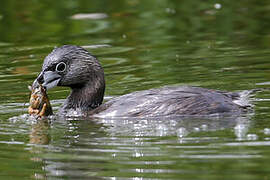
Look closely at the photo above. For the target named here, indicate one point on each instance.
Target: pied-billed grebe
(75, 67)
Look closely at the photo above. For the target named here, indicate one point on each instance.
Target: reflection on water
(170, 126)
(108, 148)
(40, 132)
(123, 147)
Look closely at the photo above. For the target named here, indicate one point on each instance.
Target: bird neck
(86, 97)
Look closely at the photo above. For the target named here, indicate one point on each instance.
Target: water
(141, 45)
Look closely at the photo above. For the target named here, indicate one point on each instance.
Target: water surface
(141, 45)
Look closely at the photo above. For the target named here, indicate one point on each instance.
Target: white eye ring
(61, 67)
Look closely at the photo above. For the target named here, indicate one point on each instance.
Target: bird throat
(85, 98)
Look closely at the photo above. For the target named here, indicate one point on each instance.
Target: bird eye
(61, 67)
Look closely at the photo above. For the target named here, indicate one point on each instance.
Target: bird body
(74, 67)
(178, 100)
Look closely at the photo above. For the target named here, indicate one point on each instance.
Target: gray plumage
(85, 76)
(183, 100)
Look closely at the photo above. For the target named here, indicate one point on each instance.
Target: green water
(222, 45)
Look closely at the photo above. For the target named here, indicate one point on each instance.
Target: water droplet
(204, 127)
(162, 130)
(252, 137)
(182, 132)
(217, 6)
(196, 129)
(170, 10)
(177, 57)
(240, 131)
(266, 131)
(239, 127)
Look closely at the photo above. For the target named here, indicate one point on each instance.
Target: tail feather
(243, 98)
